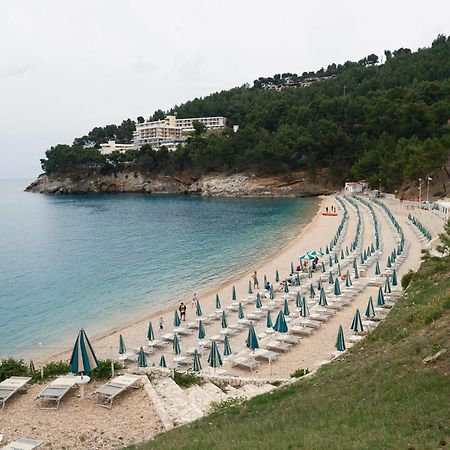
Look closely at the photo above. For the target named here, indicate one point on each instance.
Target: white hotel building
(172, 131)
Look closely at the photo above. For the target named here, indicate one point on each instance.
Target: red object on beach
(329, 214)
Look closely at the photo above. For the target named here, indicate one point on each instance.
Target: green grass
(378, 396)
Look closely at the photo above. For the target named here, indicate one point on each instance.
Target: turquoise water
(103, 260)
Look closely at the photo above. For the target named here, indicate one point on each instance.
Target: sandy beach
(134, 417)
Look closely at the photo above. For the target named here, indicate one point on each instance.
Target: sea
(100, 261)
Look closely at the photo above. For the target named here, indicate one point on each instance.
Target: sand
(79, 424)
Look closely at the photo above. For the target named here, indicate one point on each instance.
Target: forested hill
(365, 120)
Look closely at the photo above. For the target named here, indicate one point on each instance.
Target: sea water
(98, 261)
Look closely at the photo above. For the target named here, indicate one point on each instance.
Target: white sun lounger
(54, 392)
(261, 353)
(301, 330)
(288, 338)
(246, 363)
(10, 386)
(109, 391)
(23, 444)
(278, 346)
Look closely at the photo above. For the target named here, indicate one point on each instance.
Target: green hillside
(379, 395)
(365, 120)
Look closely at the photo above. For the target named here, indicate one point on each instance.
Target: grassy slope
(379, 395)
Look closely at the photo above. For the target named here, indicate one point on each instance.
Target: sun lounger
(214, 372)
(355, 338)
(236, 326)
(278, 346)
(182, 330)
(289, 339)
(319, 317)
(157, 344)
(301, 330)
(246, 363)
(54, 392)
(10, 386)
(228, 331)
(181, 360)
(23, 444)
(261, 353)
(168, 337)
(109, 391)
(192, 325)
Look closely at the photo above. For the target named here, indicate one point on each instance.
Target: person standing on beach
(194, 300)
(255, 280)
(161, 324)
(182, 310)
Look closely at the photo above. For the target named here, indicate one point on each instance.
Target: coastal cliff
(238, 185)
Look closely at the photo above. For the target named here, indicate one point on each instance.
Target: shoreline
(203, 294)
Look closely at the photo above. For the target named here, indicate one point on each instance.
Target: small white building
(112, 146)
(353, 187)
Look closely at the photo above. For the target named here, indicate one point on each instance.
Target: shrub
(299, 373)
(103, 371)
(186, 379)
(407, 278)
(226, 404)
(13, 368)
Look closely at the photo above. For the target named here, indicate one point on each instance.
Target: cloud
(142, 64)
(19, 67)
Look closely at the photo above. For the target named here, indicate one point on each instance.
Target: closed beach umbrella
(305, 310)
(269, 323)
(323, 267)
(370, 310)
(377, 268)
(233, 294)
(258, 301)
(277, 277)
(380, 299)
(197, 366)
(122, 347)
(252, 340)
(372, 248)
(298, 300)
(280, 323)
(286, 288)
(162, 361)
(250, 290)
(330, 278)
(327, 251)
(83, 357)
(357, 325)
(201, 330)
(337, 288)
(226, 346)
(214, 358)
(176, 345)
(310, 273)
(330, 262)
(339, 270)
(31, 367)
(312, 292)
(286, 307)
(240, 311)
(389, 265)
(323, 298)
(335, 258)
(362, 258)
(394, 278)
(271, 293)
(218, 305)
(142, 360)
(176, 319)
(292, 268)
(342, 254)
(356, 272)
(150, 333)
(387, 286)
(346, 250)
(340, 343)
(297, 279)
(348, 281)
(224, 320)
(198, 310)
(355, 264)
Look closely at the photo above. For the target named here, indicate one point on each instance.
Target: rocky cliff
(238, 185)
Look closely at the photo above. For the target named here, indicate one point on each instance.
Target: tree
(140, 119)
(444, 247)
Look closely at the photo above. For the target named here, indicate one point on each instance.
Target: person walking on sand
(182, 310)
(161, 324)
(194, 301)
(255, 280)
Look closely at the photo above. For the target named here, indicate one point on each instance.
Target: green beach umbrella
(394, 278)
(226, 346)
(277, 277)
(389, 265)
(323, 298)
(142, 360)
(387, 286)
(122, 346)
(250, 290)
(252, 340)
(362, 258)
(286, 307)
(348, 281)
(298, 300)
(197, 366)
(176, 345)
(233, 294)
(150, 333)
(357, 325)
(339, 270)
(330, 278)
(286, 287)
(312, 292)
(370, 310)
(380, 299)
(292, 268)
(269, 323)
(258, 301)
(176, 319)
(323, 267)
(240, 311)
(218, 305)
(327, 250)
(330, 263)
(297, 279)
(336, 258)
(372, 248)
(198, 310)
(31, 368)
(224, 322)
(310, 273)
(342, 254)
(162, 361)
(271, 293)
(305, 310)
(337, 288)
(214, 358)
(355, 264)
(201, 330)
(364, 255)
(377, 268)
(340, 343)
(83, 358)
(356, 272)
(280, 323)
(346, 250)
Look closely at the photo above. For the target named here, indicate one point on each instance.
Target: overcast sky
(66, 67)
